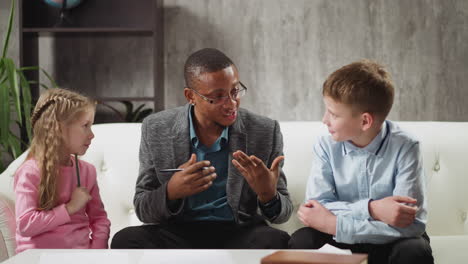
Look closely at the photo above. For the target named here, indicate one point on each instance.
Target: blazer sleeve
(282, 190)
(150, 200)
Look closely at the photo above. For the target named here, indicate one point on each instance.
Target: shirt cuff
(174, 207)
(61, 214)
(360, 209)
(344, 230)
(271, 209)
(98, 244)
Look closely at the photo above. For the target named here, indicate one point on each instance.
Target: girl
(52, 211)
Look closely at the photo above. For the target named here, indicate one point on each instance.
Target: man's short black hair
(202, 61)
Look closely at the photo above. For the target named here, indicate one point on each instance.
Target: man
(231, 178)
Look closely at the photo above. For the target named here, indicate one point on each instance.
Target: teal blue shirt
(211, 204)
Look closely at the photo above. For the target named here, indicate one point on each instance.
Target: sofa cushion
(7, 228)
(450, 249)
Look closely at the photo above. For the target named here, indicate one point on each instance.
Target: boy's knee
(412, 250)
(307, 238)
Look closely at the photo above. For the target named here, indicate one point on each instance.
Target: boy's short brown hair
(364, 85)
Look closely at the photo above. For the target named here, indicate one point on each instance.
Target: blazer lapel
(235, 181)
(181, 139)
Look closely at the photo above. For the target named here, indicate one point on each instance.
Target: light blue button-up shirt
(344, 178)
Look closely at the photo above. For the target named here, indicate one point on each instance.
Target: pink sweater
(88, 228)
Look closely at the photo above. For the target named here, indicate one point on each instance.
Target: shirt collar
(375, 147)
(193, 135)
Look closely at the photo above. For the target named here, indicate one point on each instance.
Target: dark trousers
(201, 235)
(405, 250)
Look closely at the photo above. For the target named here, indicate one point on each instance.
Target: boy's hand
(79, 198)
(392, 211)
(192, 180)
(262, 180)
(315, 215)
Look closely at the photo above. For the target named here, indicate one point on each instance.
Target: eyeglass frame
(221, 98)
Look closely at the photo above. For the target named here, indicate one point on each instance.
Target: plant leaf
(2, 167)
(4, 112)
(43, 86)
(51, 80)
(119, 114)
(10, 26)
(3, 76)
(129, 110)
(27, 104)
(15, 145)
(144, 113)
(29, 68)
(138, 109)
(12, 76)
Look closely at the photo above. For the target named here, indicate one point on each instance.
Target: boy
(366, 188)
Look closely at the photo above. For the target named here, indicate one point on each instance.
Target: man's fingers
(203, 187)
(204, 180)
(242, 170)
(192, 159)
(258, 162)
(201, 173)
(196, 166)
(244, 159)
(276, 162)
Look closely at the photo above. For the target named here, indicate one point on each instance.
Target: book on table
(301, 257)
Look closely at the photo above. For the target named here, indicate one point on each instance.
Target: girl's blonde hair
(55, 107)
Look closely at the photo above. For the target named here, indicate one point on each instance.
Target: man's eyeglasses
(235, 94)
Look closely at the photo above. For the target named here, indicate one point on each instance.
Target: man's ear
(189, 95)
(367, 121)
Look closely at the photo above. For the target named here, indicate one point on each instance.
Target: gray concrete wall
(285, 49)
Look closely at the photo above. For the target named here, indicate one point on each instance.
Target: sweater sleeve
(98, 221)
(29, 220)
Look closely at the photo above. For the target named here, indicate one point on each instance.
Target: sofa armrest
(7, 228)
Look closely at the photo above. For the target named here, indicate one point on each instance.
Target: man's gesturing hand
(262, 180)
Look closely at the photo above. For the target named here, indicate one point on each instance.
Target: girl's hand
(79, 198)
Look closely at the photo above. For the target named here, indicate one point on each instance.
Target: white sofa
(114, 152)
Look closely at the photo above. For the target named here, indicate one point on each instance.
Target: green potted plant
(131, 115)
(15, 101)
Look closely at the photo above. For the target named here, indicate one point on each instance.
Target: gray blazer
(165, 143)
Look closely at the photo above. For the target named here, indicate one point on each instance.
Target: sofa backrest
(444, 149)
(114, 152)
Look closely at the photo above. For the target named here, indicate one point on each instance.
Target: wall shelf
(147, 31)
(100, 32)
